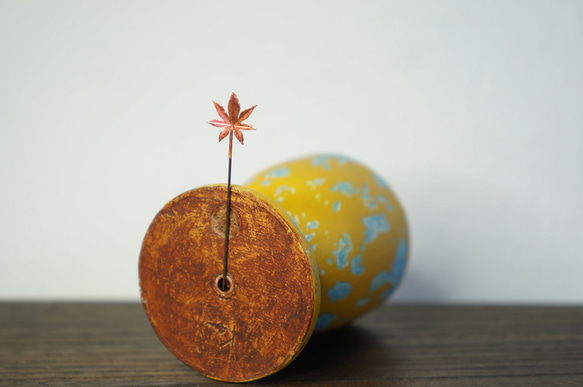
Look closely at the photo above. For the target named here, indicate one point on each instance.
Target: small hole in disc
(225, 286)
(218, 285)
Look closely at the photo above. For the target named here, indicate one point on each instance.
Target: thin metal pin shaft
(228, 219)
(231, 123)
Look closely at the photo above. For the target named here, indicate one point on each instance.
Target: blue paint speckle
(330, 261)
(314, 246)
(380, 280)
(316, 182)
(279, 172)
(266, 182)
(312, 225)
(324, 321)
(339, 291)
(341, 253)
(400, 262)
(375, 224)
(362, 302)
(336, 206)
(367, 199)
(356, 265)
(396, 274)
(322, 272)
(381, 182)
(342, 160)
(310, 236)
(321, 161)
(344, 187)
(279, 190)
(382, 199)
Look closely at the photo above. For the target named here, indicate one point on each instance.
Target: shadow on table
(348, 353)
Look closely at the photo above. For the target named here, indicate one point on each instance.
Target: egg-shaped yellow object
(354, 224)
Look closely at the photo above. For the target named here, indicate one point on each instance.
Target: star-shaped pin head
(232, 122)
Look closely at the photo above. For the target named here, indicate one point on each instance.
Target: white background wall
(472, 110)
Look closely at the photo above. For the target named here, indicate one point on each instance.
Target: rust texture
(262, 321)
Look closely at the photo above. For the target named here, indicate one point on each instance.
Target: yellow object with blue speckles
(354, 224)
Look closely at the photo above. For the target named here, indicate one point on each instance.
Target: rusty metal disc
(265, 317)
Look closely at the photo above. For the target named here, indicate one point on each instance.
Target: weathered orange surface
(264, 320)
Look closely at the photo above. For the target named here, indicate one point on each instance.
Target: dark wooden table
(397, 345)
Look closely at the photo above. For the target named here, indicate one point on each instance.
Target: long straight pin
(228, 218)
(232, 124)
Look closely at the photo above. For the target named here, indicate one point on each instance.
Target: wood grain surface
(398, 345)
